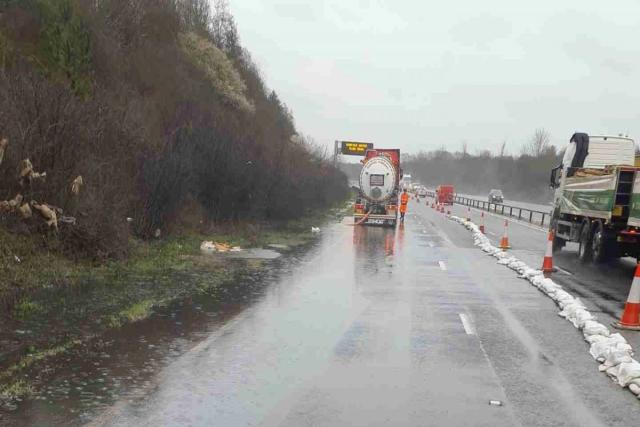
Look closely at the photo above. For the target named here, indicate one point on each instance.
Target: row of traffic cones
(630, 318)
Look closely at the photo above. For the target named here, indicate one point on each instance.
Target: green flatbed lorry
(597, 198)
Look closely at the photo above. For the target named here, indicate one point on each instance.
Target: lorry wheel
(585, 249)
(603, 246)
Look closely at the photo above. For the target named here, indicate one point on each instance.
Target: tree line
(161, 111)
(524, 176)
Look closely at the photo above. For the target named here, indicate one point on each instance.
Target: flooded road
(368, 327)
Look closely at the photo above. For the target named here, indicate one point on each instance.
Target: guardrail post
(530, 216)
(510, 210)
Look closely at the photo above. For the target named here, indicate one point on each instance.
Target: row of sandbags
(611, 350)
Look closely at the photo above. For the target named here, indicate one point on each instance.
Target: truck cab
(444, 194)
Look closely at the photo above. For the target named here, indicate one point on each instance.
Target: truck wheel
(603, 247)
(585, 249)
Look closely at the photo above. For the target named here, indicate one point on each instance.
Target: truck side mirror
(555, 177)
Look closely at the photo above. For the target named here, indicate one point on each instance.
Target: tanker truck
(377, 201)
(597, 198)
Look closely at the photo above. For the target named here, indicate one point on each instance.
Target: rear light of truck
(631, 230)
(628, 236)
(358, 208)
(392, 207)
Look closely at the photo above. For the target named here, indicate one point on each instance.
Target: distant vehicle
(422, 192)
(597, 188)
(406, 182)
(377, 201)
(495, 196)
(444, 194)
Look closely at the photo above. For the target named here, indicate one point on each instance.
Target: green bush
(66, 43)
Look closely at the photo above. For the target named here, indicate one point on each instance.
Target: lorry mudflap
(634, 211)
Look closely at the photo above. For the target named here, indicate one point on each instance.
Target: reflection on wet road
(371, 326)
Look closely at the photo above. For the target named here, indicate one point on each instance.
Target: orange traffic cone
(547, 262)
(482, 222)
(631, 316)
(504, 242)
(468, 214)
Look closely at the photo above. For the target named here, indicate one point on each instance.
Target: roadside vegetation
(141, 120)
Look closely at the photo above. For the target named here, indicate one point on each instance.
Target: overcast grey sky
(421, 74)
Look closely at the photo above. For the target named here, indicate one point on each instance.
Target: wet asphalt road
(406, 327)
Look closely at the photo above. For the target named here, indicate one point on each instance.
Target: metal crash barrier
(523, 214)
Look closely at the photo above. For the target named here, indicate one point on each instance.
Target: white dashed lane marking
(466, 324)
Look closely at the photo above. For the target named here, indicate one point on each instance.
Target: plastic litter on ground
(610, 350)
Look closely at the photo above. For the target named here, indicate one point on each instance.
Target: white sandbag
(580, 317)
(592, 339)
(635, 388)
(562, 297)
(592, 327)
(569, 310)
(501, 254)
(600, 349)
(617, 338)
(628, 371)
(549, 287)
(613, 371)
(616, 356)
(506, 261)
(530, 273)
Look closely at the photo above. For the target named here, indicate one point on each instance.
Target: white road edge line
(466, 324)
(568, 273)
(443, 266)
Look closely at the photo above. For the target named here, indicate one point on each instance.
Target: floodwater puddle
(121, 365)
(253, 253)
